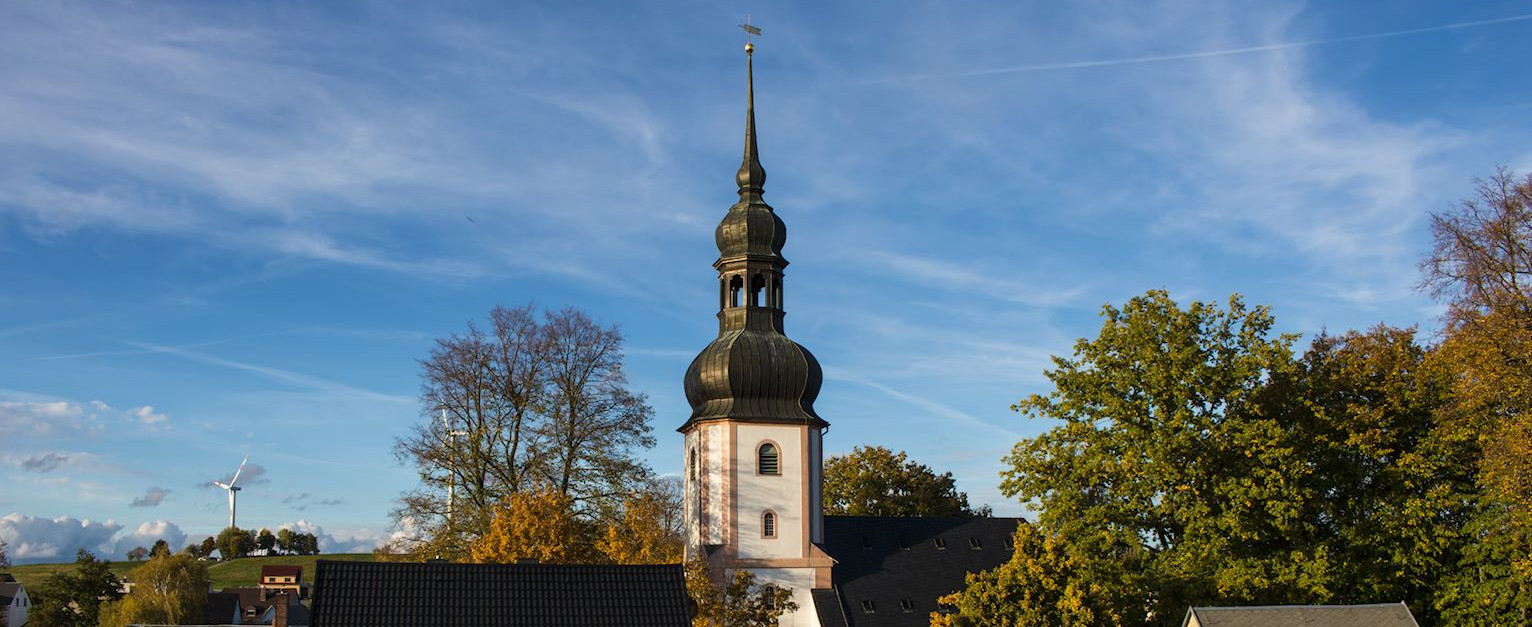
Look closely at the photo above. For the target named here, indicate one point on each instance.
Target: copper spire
(751, 176)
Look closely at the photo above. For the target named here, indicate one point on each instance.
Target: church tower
(753, 443)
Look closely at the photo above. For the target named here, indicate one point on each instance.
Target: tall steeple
(752, 371)
(751, 176)
(753, 443)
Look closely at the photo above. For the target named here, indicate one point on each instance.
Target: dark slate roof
(8, 592)
(1375, 615)
(221, 607)
(894, 563)
(380, 594)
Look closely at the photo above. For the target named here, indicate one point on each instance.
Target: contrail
(1045, 67)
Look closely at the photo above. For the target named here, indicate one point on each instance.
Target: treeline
(1198, 459)
(234, 542)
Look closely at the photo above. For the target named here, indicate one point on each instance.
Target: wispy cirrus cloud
(275, 374)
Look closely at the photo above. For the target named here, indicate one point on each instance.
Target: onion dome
(752, 372)
(754, 376)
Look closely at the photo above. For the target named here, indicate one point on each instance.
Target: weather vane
(750, 31)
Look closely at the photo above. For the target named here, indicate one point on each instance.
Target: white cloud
(45, 419)
(145, 536)
(148, 417)
(152, 498)
(32, 539)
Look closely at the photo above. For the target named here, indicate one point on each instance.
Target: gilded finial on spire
(751, 176)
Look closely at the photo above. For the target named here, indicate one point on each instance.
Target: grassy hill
(245, 571)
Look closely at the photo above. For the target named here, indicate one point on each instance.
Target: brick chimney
(280, 601)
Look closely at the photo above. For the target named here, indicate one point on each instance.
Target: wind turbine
(452, 436)
(233, 489)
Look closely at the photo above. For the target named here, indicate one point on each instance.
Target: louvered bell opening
(769, 460)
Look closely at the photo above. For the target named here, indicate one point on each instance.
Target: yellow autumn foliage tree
(647, 532)
(533, 525)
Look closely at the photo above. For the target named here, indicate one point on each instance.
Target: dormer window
(768, 460)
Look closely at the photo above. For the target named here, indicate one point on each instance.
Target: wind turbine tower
(452, 436)
(232, 489)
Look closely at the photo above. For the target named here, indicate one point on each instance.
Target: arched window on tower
(768, 525)
(757, 287)
(696, 473)
(736, 285)
(768, 460)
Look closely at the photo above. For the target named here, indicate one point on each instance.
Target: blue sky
(232, 228)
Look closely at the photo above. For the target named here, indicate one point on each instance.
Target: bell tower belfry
(753, 447)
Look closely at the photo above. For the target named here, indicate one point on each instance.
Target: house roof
(898, 567)
(221, 607)
(250, 596)
(1375, 615)
(381, 594)
(282, 570)
(8, 591)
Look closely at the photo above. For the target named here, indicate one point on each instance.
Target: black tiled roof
(891, 563)
(221, 607)
(378, 594)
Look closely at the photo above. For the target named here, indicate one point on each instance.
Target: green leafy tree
(168, 590)
(161, 548)
(265, 541)
(209, 544)
(1197, 461)
(73, 598)
(193, 549)
(138, 554)
(874, 481)
(234, 542)
(741, 602)
(285, 542)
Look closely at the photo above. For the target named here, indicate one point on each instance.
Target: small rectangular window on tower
(868, 607)
(974, 544)
(941, 545)
(906, 605)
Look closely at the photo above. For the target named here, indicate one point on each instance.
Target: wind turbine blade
(220, 485)
(239, 470)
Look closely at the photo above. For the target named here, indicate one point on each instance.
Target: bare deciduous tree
(522, 405)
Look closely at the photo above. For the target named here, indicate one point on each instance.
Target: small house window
(769, 459)
(768, 525)
(868, 607)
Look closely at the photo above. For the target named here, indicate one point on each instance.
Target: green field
(245, 571)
